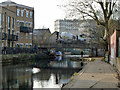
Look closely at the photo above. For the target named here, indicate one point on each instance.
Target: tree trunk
(105, 34)
(107, 39)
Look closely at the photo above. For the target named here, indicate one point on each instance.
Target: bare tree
(99, 10)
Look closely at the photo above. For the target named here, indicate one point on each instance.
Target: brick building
(41, 37)
(17, 24)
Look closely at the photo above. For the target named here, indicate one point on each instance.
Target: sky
(46, 11)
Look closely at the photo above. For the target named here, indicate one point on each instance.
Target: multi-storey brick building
(17, 24)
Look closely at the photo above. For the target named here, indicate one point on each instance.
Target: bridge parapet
(80, 45)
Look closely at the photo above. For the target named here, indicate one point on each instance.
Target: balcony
(25, 29)
(12, 37)
(4, 36)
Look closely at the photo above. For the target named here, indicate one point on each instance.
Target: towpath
(96, 74)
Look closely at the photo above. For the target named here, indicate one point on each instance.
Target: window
(21, 36)
(22, 12)
(30, 35)
(6, 43)
(21, 23)
(13, 32)
(13, 44)
(3, 17)
(9, 19)
(12, 22)
(18, 34)
(3, 30)
(26, 36)
(27, 24)
(17, 24)
(0, 20)
(30, 14)
(30, 45)
(17, 45)
(21, 45)
(26, 14)
(6, 21)
(18, 11)
(2, 44)
(30, 24)
(26, 45)
(6, 30)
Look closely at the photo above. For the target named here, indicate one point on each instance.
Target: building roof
(42, 31)
(11, 3)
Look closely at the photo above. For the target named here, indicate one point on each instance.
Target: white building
(70, 26)
(76, 27)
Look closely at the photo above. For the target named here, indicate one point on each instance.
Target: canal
(34, 75)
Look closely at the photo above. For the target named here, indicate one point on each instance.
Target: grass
(118, 57)
(92, 60)
(73, 76)
(103, 59)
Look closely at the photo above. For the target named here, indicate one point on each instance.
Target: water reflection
(22, 76)
(58, 58)
(16, 77)
(47, 83)
(35, 70)
(64, 63)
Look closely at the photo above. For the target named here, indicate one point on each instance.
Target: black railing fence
(10, 50)
(25, 29)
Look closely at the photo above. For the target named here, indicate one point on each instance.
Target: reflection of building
(17, 24)
(17, 78)
(41, 37)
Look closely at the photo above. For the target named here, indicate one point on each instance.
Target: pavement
(96, 74)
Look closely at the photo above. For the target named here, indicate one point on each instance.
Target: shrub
(92, 59)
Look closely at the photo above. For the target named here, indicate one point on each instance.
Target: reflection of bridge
(58, 68)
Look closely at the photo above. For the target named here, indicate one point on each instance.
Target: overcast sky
(46, 11)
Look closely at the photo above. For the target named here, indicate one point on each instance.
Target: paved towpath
(96, 74)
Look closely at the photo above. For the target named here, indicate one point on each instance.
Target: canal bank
(96, 74)
(16, 58)
(23, 58)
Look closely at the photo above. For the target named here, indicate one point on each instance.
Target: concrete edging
(75, 77)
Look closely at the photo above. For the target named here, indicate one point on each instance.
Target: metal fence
(7, 50)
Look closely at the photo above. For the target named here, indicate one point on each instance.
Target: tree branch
(111, 9)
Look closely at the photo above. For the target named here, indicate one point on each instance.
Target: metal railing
(25, 29)
(16, 50)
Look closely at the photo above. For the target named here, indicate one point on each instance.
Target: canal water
(57, 73)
